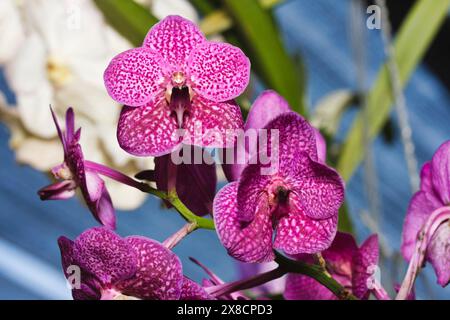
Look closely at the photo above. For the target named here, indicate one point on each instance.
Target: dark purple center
(180, 102)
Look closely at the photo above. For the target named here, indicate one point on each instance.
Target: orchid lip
(180, 101)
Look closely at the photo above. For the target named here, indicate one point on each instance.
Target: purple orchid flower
(300, 201)
(76, 172)
(348, 264)
(433, 196)
(266, 107)
(135, 266)
(177, 79)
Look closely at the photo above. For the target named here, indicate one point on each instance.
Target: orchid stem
(379, 292)
(171, 197)
(174, 239)
(426, 233)
(315, 272)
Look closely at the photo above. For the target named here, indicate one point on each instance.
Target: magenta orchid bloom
(75, 173)
(434, 195)
(177, 79)
(348, 264)
(266, 107)
(134, 266)
(300, 201)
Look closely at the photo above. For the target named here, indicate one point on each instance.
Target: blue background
(319, 29)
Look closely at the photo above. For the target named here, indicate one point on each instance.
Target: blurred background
(383, 106)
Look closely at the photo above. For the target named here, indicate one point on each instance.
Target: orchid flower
(428, 217)
(349, 265)
(176, 80)
(300, 201)
(266, 107)
(74, 173)
(112, 266)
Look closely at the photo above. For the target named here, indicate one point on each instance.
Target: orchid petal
(321, 146)
(298, 233)
(319, 188)
(301, 287)
(174, 38)
(440, 172)
(420, 208)
(219, 71)
(135, 77)
(438, 253)
(364, 264)
(148, 130)
(193, 291)
(61, 190)
(159, 273)
(248, 243)
(105, 212)
(212, 124)
(266, 107)
(104, 254)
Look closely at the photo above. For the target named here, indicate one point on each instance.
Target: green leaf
(129, 18)
(413, 40)
(269, 58)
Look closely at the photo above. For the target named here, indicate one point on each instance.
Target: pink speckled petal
(104, 254)
(298, 233)
(438, 253)
(174, 38)
(319, 188)
(364, 263)
(251, 242)
(251, 185)
(420, 207)
(193, 291)
(266, 107)
(148, 130)
(300, 287)
(135, 77)
(219, 71)
(440, 172)
(295, 136)
(196, 183)
(159, 274)
(208, 123)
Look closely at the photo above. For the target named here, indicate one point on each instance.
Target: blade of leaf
(414, 38)
(266, 50)
(129, 18)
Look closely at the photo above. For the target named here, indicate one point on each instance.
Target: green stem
(315, 272)
(172, 198)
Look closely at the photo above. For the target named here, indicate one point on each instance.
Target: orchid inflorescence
(177, 90)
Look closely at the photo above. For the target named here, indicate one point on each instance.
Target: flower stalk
(438, 217)
(174, 239)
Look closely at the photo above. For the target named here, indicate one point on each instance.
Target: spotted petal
(208, 123)
(364, 267)
(319, 188)
(298, 233)
(149, 130)
(193, 291)
(174, 38)
(135, 77)
(251, 242)
(104, 254)
(159, 273)
(219, 71)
